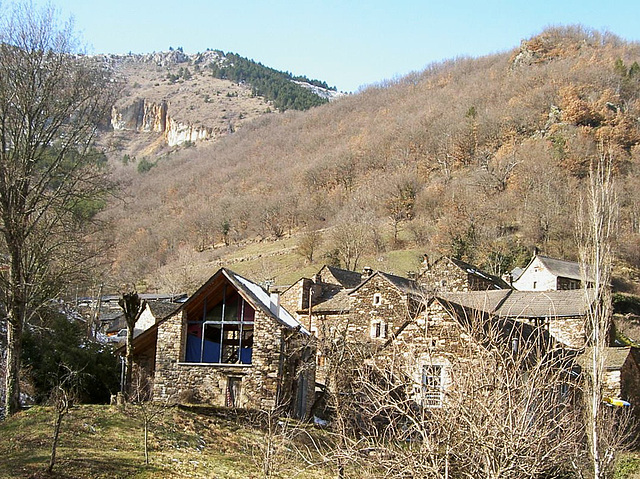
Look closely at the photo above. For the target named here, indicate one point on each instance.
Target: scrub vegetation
(478, 158)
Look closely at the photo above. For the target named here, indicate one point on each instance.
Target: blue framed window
(224, 333)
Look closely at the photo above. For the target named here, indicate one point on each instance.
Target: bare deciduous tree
(62, 397)
(132, 307)
(597, 225)
(502, 406)
(51, 102)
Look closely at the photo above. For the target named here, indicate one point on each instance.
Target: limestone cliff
(146, 116)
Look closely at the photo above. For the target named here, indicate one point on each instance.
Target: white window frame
(379, 330)
(432, 385)
(377, 299)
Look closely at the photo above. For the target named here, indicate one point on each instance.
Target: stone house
(449, 274)
(547, 274)
(323, 305)
(560, 313)
(230, 344)
(621, 374)
(381, 304)
(152, 312)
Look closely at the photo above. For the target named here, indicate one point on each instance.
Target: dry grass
(105, 442)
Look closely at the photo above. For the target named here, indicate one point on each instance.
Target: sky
(347, 43)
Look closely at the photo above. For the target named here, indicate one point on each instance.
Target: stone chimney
(367, 271)
(274, 305)
(426, 264)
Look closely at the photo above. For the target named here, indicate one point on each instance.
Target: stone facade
(448, 274)
(280, 373)
(258, 385)
(432, 339)
(378, 309)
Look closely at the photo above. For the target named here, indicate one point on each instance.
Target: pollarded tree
(51, 101)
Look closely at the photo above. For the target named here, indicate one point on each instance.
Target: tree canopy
(51, 103)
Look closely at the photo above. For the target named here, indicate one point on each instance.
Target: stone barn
(230, 344)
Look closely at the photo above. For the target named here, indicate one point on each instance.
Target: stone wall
(433, 338)
(443, 275)
(296, 297)
(569, 331)
(259, 382)
(390, 308)
(630, 378)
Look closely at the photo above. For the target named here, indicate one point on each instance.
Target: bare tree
(132, 307)
(501, 405)
(50, 105)
(308, 244)
(62, 397)
(597, 225)
(148, 411)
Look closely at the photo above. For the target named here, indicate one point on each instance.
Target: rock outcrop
(142, 115)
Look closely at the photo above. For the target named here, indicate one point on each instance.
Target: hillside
(185, 442)
(200, 97)
(481, 159)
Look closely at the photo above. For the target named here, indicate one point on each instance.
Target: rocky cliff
(147, 116)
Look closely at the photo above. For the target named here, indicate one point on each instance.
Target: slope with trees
(475, 158)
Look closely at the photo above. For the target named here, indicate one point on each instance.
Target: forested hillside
(481, 159)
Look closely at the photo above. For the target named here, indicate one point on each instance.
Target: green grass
(628, 467)
(107, 442)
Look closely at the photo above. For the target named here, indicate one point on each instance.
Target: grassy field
(107, 442)
(185, 442)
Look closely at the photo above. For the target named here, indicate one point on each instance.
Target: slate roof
(537, 304)
(561, 267)
(472, 270)
(614, 358)
(483, 301)
(159, 309)
(338, 302)
(162, 309)
(348, 279)
(507, 303)
(403, 284)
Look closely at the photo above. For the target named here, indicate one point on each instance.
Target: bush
(58, 341)
(145, 165)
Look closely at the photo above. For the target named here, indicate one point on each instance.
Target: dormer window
(377, 299)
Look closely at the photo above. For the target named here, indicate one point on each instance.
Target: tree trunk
(12, 379)
(56, 437)
(128, 363)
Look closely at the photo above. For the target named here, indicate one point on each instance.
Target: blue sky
(346, 43)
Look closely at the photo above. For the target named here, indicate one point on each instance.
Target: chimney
(366, 272)
(274, 305)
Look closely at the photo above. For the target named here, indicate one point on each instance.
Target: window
(377, 299)
(224, 334)
(432, 385)
(379, 329)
